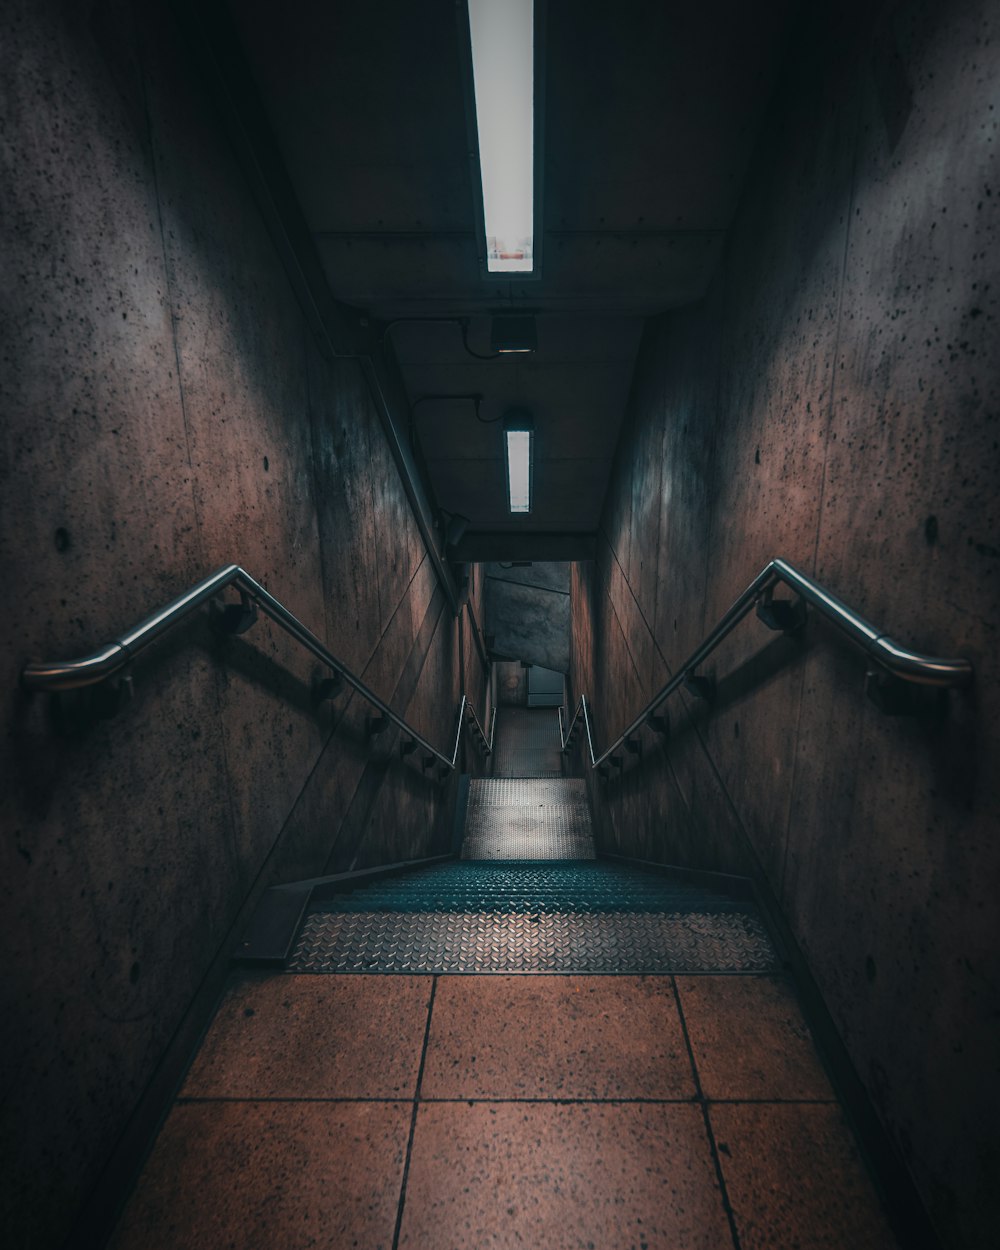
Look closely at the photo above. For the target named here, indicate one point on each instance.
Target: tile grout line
(413, 1117)
(612, 1100)
(703, 1104)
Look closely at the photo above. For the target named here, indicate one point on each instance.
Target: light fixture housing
(504, 102)
(519, 454)
(513, 333)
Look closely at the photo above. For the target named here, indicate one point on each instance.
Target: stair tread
(530, 886)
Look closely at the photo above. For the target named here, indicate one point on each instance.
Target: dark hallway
(254, 317)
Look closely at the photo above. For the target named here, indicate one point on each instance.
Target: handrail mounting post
(787, 615)
(237, 618)
(326, 689)
(700, 686)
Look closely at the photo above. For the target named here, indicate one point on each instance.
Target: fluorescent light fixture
(513, 334)
(503, 36)
(518, 440)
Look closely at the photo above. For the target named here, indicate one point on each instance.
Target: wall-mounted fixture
(513, 333)
(518, 447)
(454, 530)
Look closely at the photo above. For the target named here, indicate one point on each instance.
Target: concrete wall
(476, 673)
(165, 411)
(528, 612)
(835, 401)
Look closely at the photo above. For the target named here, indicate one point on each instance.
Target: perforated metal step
(528, 819)
(527, 743)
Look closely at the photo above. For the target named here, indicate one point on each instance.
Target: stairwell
(526, 1045)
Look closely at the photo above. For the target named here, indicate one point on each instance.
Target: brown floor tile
(314, 1037)
(749, 1039)
(794, 1178)
(556, 1037)
(619, 1176)
(275, 1175)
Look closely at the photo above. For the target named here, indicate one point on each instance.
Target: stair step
(526, 887)
(563, 942)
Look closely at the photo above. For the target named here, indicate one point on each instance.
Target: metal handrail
(474, 720)
(91, 669)
(907, 665)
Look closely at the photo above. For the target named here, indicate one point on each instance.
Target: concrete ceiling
(651, 111)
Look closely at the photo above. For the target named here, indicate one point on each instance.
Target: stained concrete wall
(165, 411)
(835, 401)
(528, 612)
(512, 683)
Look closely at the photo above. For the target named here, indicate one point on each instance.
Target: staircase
(529, 895)
(431, 1094)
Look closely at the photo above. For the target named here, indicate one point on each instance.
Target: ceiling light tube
(503, 39)
(518, 446)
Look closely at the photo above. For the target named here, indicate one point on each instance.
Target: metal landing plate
(484, 942)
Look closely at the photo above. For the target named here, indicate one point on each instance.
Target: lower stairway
(533, 916)
(525, 1046)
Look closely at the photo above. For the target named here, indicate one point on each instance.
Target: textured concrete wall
(165, 411)
(528, 613)
(835, 401)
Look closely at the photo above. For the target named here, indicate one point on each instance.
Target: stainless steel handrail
(474, 720)
(907, 665)
(91, 669)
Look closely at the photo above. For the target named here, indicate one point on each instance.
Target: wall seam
(796, 748)
(313, 418)
(687, 710)
(196, 512)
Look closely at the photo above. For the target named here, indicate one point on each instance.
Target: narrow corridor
(656, 1087)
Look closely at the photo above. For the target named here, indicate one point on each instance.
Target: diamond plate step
(620, 942)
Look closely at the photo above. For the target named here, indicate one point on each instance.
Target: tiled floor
(452, 1112)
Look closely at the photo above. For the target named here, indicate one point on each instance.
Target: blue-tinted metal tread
(567, 886)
